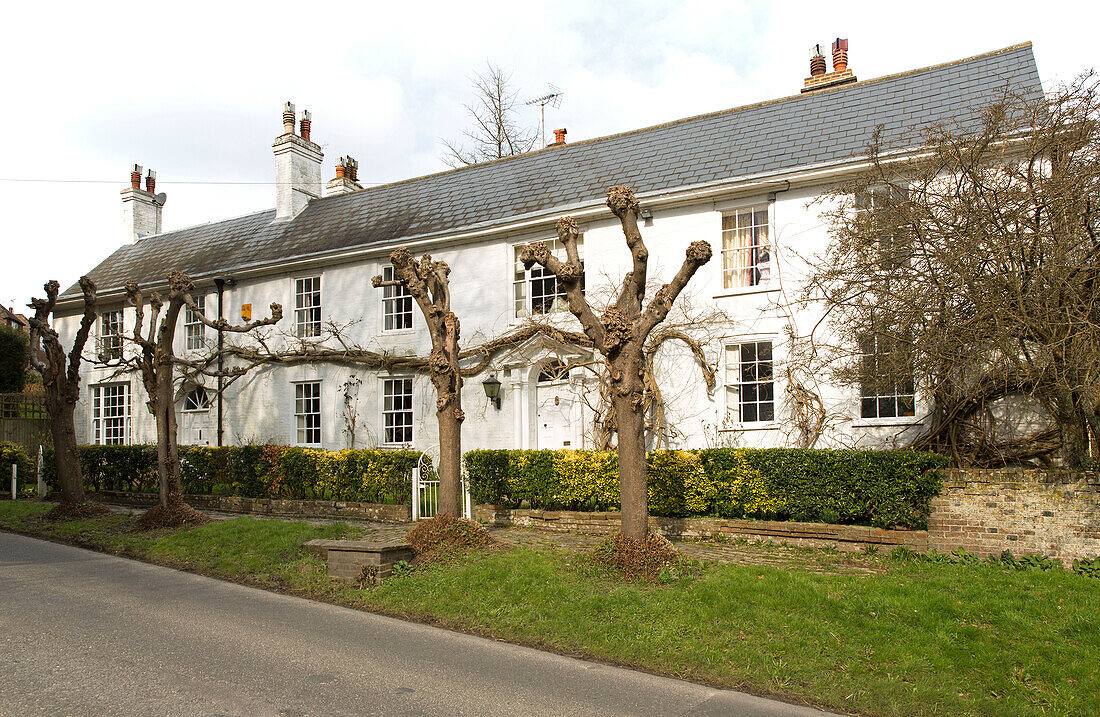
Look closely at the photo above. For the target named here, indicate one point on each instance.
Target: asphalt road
(83, 633)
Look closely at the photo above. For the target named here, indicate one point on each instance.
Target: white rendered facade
(761, 211)
(549, 414)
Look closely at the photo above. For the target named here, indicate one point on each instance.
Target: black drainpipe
(220, 284)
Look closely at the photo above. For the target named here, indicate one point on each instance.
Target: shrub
(253, 471)
(13, 359)
(14, 453)
(881, 488)
(648, 559)
(445, 537)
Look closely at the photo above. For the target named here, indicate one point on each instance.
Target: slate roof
(813, 128)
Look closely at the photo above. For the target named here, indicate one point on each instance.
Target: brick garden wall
(1053, 513)
(842, 537)
(334, 509)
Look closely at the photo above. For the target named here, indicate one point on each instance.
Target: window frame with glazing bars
(747, 247)
(103, 424)
(307, 318)
(552, 297)
(397, 304)
(880, 395)
(194, 330)
(752, 383)
(111, 331)
(397, 420)
(307, 422)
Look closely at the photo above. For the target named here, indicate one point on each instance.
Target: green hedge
(881, 488)
(254, 471)
(17, 454)
(13, 359)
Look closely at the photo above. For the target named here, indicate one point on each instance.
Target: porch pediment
(540, 349)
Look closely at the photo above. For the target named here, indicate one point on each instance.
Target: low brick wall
(334, 509)
(843, 537)
(1053, 513)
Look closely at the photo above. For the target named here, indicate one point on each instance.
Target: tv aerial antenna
(552, 98)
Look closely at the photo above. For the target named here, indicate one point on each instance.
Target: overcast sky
(196, 92)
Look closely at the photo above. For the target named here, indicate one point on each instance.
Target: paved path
(84, 633)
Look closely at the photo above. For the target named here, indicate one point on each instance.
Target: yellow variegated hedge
(883, 488)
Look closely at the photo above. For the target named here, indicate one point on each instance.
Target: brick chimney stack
(347, 177)
(819, 79)
(141, 212)
(297, 167)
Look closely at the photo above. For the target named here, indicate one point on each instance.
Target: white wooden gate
(425, 494)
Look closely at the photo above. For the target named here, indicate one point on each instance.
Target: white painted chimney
(141, 208)
(297, 167)
(347, 177)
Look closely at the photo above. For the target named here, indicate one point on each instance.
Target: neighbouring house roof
(770, 137)
(14, 320)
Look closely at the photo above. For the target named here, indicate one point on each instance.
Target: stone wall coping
(954, 477)
(366, 546)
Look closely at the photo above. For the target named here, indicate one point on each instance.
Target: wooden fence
(23, 420)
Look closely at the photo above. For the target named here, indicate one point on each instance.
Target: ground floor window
(750, 384)
(111, 413)
(307, 413)
(397, 410)
(881, 393)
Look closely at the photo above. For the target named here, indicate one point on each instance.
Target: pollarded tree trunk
(429, 284)
(620, 335)
(66, 457)
(157, 362)
(61, 379)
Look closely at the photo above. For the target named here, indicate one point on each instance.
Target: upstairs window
(746, 248)
(397, 304)
(307, 307)
(876, 206)
(307, 413)
(111, 413)
(110, 335)
(750, 384)
(194, 330)
(881, 393)
(536, 289)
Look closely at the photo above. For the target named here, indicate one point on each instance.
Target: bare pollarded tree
(429, 284)
(494, 131)
(620, 336)
(970, 272)
(61, 379)
(157, 362)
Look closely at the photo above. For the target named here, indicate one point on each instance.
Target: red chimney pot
(305, 124)
(135, 177)
(559, 136)
(840, 54)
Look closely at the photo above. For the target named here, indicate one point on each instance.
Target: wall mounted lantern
(492, 389)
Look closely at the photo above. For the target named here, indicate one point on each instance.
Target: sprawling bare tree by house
(620, 336)
(157, 362)
(61, 380)
(429, 284)
(494, 132)
(969, 273)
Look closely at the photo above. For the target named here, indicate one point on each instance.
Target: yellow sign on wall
(246, 312)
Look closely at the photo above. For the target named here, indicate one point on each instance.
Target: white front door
(554, 414)
(197, 428)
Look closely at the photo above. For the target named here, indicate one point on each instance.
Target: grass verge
(916, 639)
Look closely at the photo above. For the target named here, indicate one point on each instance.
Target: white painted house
(742, 179)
